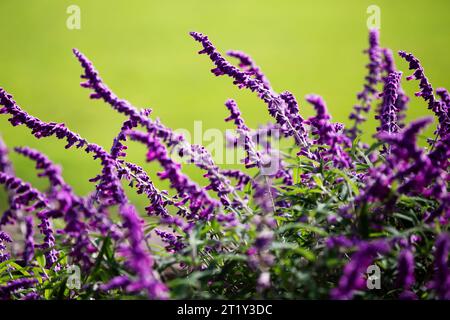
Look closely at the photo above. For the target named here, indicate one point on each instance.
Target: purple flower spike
(247, 64)
(51, 255)
(69, 204)
(328, 134)
(241, 178)
(174, 242)
(140, 260)
(268, 162)
(253, 157)
(28, 251)
(276, 105)
(402, 100)
(440, 108)
(38, 128)
(25, 197)
(49, 169)
(372, 79)
(388, 113)
(223, 67)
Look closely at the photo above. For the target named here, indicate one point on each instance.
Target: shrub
(311, 222)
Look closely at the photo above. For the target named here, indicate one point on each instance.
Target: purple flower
(267, 161)
(242, 179)
(440, 108)
(48, 245)
(353, 279)
(38, 128)
(28, 251)
(140, 180)
(49, 169)
(223, 67)
(174, 242)
(401, 103)
(370, 87)
(417, 172)
(25, 197)
(264, 240)
(140, 260)
(292, 122)
(409, 165)
(31, 296)
(328, 134)
(228, 220)
(253, 157)
(218, 182)
(247, 64)
(69, 205)
(388, 113)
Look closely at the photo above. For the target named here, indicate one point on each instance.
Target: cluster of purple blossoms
(26, 195)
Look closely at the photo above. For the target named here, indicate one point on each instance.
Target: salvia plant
(307, 221)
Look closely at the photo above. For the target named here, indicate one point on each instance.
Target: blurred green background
(143, 52)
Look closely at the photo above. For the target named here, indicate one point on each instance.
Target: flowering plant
(309, 221)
